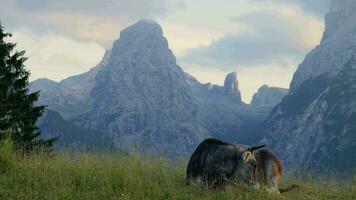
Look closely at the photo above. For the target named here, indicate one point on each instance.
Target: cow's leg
(272, 180)
(197, 181)
(257, 186)
(273, 188)
(219, 180)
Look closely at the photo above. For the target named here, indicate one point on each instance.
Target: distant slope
(70, 96)
(268, 97)
(72, 137)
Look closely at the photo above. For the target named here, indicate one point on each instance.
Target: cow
(268, 170)
(216, 163)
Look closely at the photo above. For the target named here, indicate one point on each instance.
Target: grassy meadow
(105, 176)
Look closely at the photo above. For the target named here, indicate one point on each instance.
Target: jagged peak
(231, 86)
(342, 5)
(143, 27)
(263, 87)
(42, 84)
(231, 81)
(341, 18)
(266, 87)
(143, 37)
(268, 97)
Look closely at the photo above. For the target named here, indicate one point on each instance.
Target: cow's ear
(247, 156)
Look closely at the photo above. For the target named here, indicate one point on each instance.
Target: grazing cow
(215, 163)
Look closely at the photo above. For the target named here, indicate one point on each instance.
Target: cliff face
(314, 125)
(141, 98)
(231, 87)
(336, 48)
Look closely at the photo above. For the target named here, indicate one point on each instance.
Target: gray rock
(268, 97)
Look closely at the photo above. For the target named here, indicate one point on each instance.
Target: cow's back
(212, 159)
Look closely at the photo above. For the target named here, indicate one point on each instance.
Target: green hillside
(85, 176)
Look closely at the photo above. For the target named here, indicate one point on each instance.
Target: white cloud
(316, 7)
(56, 57)
(270, 41)
(91, 20)
(273, 36)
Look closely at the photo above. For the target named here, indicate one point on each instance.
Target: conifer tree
(18, 114)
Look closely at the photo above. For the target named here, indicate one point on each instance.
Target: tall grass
(83, 176)
(7, 156)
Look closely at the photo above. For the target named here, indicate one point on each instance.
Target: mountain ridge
(138, 96)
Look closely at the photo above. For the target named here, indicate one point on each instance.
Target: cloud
(90, 20)
(56, 57)
(120, 8)
(319, 7)
(280, 35)
(316, 7)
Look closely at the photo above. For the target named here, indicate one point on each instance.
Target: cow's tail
(290, 188)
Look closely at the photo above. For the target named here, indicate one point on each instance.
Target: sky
(262, 40)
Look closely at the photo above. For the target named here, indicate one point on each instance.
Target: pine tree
(18, 114)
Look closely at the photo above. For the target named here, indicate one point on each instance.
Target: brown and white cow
(216, 163)
(268, 170)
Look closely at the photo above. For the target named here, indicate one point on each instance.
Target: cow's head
(246, 165)
(248, 155)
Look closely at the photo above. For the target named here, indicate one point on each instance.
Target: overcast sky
(263, 40)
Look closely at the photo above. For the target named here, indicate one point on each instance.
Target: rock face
(268, 97)
(336, 48)
(314, 126)
(231, 87)
(140, 98)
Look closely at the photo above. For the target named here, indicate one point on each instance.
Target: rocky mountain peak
(336, 48)
(138, 39)
(143, 27)
(342, 5)
(268, 97)
(42, 84)
(231, 86)
(341, 19)
(142, 42)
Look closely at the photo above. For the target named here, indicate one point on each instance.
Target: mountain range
(140, 99)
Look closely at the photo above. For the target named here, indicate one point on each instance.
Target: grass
(84, 176)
